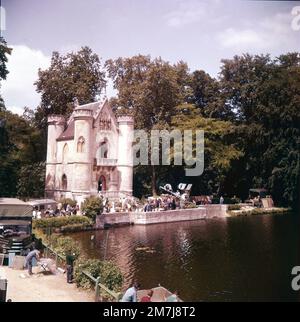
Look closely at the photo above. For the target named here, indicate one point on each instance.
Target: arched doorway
(102, 184)
(64, 182)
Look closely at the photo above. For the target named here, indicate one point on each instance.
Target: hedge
(58, 222)
(260, 211)
(109, 273)
(64, 245)
(234, 207)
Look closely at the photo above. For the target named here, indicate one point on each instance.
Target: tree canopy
(250, 115)
(4, 52)
(74, 75)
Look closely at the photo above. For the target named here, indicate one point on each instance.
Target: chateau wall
(94, 123)
(156, 217)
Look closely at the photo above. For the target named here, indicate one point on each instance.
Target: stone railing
(106, 162)
(82, 113)
(56, 119)
(125, 120)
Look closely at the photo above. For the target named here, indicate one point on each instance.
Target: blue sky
(198, 32)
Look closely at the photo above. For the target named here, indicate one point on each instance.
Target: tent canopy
(14, 208)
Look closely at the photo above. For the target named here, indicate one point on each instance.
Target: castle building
(90, 153)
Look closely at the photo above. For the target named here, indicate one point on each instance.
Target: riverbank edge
(61, 264)
(121, 219)
(259, 211)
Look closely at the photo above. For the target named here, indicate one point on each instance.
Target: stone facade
(89, 153)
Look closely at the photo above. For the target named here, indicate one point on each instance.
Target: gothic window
(104, 122)
(80, 145)
(103, 149)
(64, 182)
(65, 153)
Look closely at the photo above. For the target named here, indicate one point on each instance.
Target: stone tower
(56, 126)
(82, 172)
(125, 153)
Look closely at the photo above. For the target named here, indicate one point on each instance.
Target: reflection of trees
(175, 260)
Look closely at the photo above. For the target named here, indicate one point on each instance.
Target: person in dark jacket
(70, 267)
(34, 254)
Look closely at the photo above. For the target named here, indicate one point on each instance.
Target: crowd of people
(60, 210)
(126, 204)
(163, 202)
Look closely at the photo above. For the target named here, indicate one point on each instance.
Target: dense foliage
(250, 115)
(110, 275)
(64, 245)
(4, 51)
(58, 222)
(92, 207)
(75, 75)
(22, 150)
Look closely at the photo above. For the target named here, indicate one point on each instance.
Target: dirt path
(41, 287)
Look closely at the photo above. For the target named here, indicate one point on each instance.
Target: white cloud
(187, 13)
(280, 23)
(269, 34)
(18, 90)
(240, 38)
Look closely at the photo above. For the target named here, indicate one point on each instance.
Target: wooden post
(97, 289)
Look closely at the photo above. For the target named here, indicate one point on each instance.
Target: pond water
(231, 259)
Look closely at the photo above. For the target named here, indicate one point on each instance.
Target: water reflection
(247, 258)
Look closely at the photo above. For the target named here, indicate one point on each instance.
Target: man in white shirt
(131, 294)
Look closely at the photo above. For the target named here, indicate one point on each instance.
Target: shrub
(64, 245)
(57, 222)
(67, 201)
(92, 207)
(260, 211)
(75, 228)
(110, 274)
(234, 207)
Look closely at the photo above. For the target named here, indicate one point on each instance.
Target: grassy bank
(258, 211)
(110, 273)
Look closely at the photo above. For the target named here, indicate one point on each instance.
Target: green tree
(4, 51)
(77, 75)
(92, 207)
(20, 146)
(149, 90)
(31, 181)
(220, 149)
(263, 97)
(240, 81)
(205, 94)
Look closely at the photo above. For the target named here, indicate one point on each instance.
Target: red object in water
(146, 299)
